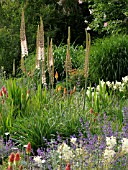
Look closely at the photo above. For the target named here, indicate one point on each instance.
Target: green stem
(27, 162)
(40, 82)
(85, 94)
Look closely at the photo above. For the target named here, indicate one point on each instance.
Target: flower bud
(28, 148)
(17, 158)
(65, 91)
(91, 111)
(56, 76)
(11, 158)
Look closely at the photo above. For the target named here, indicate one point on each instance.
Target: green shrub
(77, 57)
(109, 59)
(109, 16)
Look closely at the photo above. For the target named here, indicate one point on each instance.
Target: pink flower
(105, 24)
(80, 1)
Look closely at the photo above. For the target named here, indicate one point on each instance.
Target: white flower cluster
(121, 86)
(39, 161)
(125, 145)
(110, 144)
(109, 152)
(65, 152)
(91, 91)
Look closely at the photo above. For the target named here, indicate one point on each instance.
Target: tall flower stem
(24, 49)
(27, 162)
(51, 65)
(14, 68)
(68, 64)
(48, 60)
(88, 42)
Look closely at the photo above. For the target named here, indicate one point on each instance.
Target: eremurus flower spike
(41, 56)
(37, 49)
(86, 66)
(51, 64)
(88, 42)
(24, 49)
(68, 64)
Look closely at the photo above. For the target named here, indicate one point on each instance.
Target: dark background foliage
(57, 16)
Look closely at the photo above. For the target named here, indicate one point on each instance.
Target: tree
(109, 16)
(9, 34)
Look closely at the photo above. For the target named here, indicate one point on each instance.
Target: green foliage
(109, 16)
(48, 115)
(9, 34)
(41, 113)
(77, 57)
(109, 59)
(77, 79)
(56, 20)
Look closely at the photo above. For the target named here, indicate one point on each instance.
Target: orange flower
(28, 149)
(91, 111)
(68, 167)
(56, 76)
(71, 92)
(65, 91)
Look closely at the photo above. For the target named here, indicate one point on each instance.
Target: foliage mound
(77, 58)
(109, 59)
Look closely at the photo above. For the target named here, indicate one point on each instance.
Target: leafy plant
(109, 59)
(109, 16)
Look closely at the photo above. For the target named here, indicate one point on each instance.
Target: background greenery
(57, 16)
